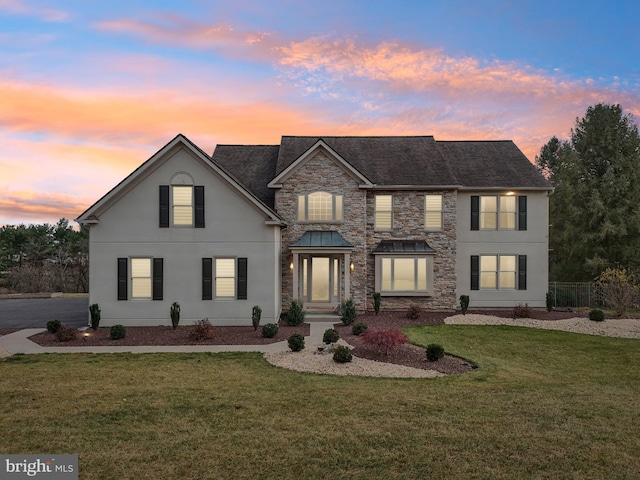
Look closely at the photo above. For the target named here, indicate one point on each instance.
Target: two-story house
(319, 219)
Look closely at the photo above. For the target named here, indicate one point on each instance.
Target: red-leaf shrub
(202, 330)
(384, 340)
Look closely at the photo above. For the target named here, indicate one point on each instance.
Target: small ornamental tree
(376, 302)
(384, 340)
(94, 310)
(619, 289)
(349, 313)
(464, 303)
(256, 314)
(175, 314)
(295, 315)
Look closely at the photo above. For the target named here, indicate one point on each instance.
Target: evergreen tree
(594, 211)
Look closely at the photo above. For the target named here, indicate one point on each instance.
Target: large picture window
(404, 275)
(320, 207)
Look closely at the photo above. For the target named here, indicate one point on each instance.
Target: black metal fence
(576, 294)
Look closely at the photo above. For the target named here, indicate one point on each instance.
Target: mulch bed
(409, 355)
(165, 335)
(7, 331)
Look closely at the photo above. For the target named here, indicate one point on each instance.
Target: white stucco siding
(532, 242)
(234, 228)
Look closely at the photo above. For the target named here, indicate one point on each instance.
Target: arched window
(320, 207)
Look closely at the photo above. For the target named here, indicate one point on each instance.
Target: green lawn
(542, 405)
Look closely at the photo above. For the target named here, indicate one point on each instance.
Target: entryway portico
(321, 267)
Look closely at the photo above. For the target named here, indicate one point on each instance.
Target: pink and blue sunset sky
(90, 90)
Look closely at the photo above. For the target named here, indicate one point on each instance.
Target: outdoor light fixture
(351, 266)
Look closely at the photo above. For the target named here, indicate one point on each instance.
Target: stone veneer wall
(320, 173)
(408, 224)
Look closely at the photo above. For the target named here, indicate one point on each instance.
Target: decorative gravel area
(312, 361)
(611, 327)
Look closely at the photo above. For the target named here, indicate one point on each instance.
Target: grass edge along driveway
(543, 404)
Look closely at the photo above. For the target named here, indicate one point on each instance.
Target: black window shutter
(475, 272)
(157, 278)
(164, 206)
(122, 278)
(522, 272)
(475, 212)
(242, 279)
(522, 212)
(207, 279)
(198, 193)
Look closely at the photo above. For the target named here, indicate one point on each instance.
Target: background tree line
(594, 210)
(44, 258)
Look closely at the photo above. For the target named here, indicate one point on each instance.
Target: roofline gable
(302, 159)
(92, 214)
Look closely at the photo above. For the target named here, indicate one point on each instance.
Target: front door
(320, 278)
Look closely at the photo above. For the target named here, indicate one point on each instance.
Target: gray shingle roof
(392, 161)
(253, 166)
(491, 164)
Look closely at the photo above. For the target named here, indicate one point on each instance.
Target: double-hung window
(433, 212)
(498, 272)
(224, 278)
(499, 212)
(320, 207)
(181, 206)
(140, 278)
(383, 212)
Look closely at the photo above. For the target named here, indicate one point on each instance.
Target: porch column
(347, 276)
(296, 284)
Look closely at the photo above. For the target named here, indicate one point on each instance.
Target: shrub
(256, 314)
(358, 328)
(270, 330)
(464, 303)
(414, 312)
(66, 334)
(94, 310)
(521, 311)
(551, 299)
(296, 342)
(175, 314)
(331, 335)
(117, 332)
(596, 315)
(384, 340)
(376, 302)
(202, 330)
(53, 326)
(295, 315)
(619, 289)
(349, 313)
(342, 354)
(434, 352)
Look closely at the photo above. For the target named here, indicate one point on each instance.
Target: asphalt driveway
(36, 312)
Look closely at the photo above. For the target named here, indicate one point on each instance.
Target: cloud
(19, 7)
(34, 207)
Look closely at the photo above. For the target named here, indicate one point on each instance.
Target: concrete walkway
(18, 342)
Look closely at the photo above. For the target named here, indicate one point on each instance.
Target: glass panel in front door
(320, 279)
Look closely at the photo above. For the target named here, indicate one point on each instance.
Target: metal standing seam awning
(321, 239)
(410, 247)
